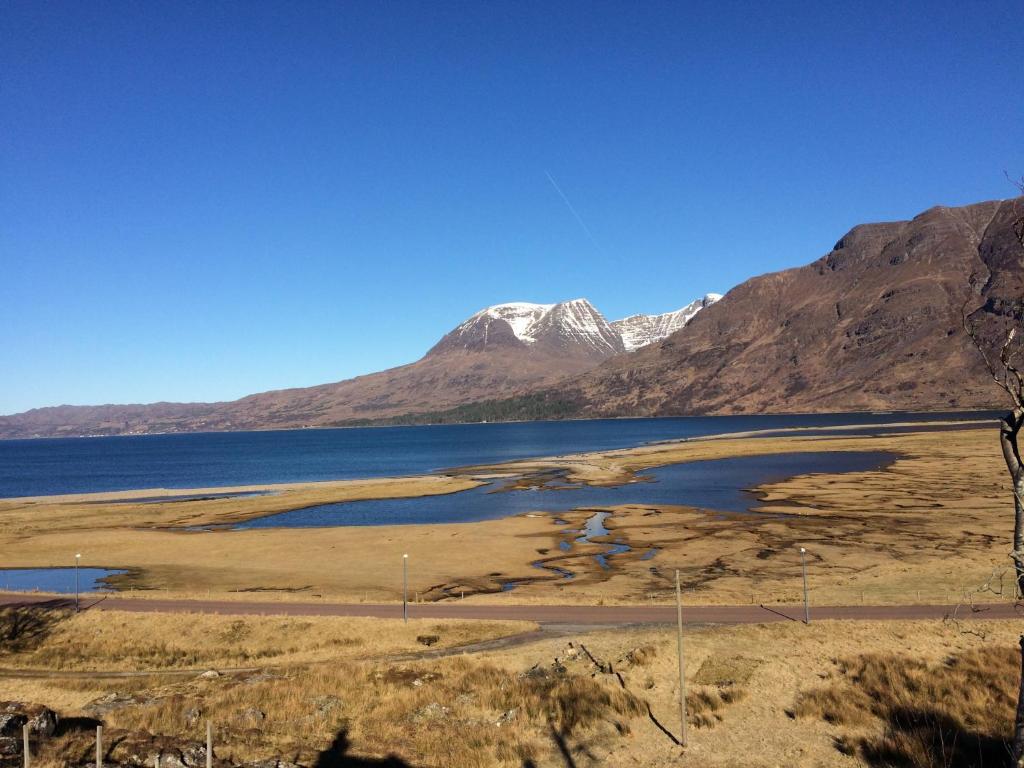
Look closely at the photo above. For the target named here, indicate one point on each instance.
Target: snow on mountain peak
(574, 327)
(520, 315)
(642, 330)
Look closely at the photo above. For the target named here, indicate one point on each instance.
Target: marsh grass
(898, 710)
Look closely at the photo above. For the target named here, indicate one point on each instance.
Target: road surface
(612, 615)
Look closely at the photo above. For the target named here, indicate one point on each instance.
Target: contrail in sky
(561, 194)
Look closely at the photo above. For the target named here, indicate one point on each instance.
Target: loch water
(45, 466)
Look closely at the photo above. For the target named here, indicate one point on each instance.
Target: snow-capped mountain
(574, 328)
(640, 330)
(501, 351)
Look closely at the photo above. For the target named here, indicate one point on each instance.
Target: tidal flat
(930, 525)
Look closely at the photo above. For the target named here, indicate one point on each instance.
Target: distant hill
(500, 351)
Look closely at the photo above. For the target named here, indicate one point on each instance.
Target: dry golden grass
(527, 703)
(115, 640)
(453, 712)
(905, 711)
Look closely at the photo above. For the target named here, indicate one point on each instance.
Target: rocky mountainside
(873, 324)
(642, 330)
(500, 351)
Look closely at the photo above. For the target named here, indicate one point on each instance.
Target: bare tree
(1001, 349)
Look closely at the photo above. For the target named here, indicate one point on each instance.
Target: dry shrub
(705, 706)
(450, 712)
(835, 705)
(958, 713)
(702, 707)
(642, 656)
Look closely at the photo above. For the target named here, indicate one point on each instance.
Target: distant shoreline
(993, 412)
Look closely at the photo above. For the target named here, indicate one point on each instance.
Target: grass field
(828, 694)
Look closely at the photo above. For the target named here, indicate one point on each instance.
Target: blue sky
(203, 200)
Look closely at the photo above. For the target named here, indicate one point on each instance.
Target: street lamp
(807, 607)
(78, 559)
(405, 588)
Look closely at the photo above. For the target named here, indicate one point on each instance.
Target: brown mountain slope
(875, 324)
(480, 359)
(436, 382)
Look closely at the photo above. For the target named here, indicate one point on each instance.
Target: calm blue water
(61, 580)
(80, 465)
(717, 485)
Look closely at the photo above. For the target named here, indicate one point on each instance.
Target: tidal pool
(60, 580)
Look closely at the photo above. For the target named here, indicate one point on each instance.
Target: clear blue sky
(204, 200)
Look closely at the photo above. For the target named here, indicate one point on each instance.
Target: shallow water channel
(718, 484)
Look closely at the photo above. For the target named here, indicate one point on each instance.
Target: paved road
(543, 614)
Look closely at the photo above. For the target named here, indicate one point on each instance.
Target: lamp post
(78, 559)
(405, 588)
(807, 607)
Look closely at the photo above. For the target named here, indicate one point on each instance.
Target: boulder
(14, 715)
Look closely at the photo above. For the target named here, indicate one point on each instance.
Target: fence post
(24, 746)
(682, 666)
(209, 744)
(99, 746)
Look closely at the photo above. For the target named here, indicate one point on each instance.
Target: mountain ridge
(874, 324)
(502, 350)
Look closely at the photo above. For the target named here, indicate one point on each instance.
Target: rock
(427, 640)
(507, 717)
(250, 717)
(260, 677)
(536, 672)
(433, 711)
(326, 704)
(10, 746)
(209, 674)
(14, 715)
(194, 756)
(43, 722)
(11, 723)
(170, 759)
(192, 716)
(104, 704)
